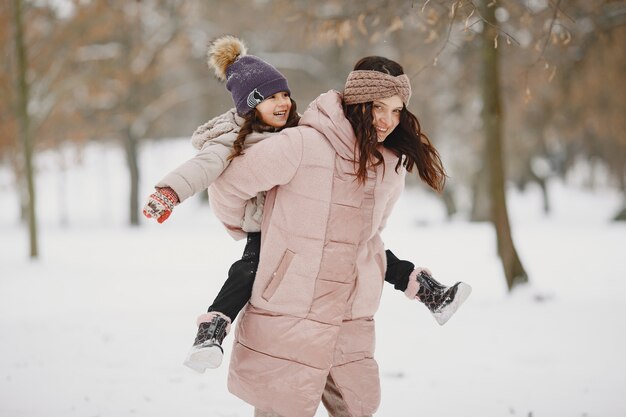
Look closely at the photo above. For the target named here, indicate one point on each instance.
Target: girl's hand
(160, 204)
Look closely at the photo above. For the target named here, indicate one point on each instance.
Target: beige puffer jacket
(322, 265)
(214, 140)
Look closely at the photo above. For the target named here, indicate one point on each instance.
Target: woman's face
(386, 115)
(274, 110)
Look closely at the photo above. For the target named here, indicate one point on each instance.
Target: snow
(100, 325)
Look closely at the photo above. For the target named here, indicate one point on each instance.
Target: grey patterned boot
(207, 351)
(442, 301)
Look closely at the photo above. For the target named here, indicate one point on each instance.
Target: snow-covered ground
(99, 326)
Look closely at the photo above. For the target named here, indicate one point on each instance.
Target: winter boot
(442, 301)
(207, 351)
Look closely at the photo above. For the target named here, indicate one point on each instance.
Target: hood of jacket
(218, 126)
(325, 114)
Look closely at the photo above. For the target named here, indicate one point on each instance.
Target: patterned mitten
(160, 204)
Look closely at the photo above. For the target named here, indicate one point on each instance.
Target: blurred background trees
(128, 72)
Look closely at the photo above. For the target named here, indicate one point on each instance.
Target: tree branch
(552, 23)
(435, 57)
(496, 27)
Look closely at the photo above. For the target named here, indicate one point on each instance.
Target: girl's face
(274, 110)
(386, 115)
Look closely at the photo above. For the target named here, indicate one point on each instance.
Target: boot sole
(463, 291)
(201, 359)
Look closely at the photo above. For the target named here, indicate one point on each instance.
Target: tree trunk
(481, 211)
(621, 214)
(448, 200)
(541, 181)
(130, 146)
(24, 125)
(131, 110)
(492, 117)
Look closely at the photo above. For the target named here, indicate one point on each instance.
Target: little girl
(263, 106)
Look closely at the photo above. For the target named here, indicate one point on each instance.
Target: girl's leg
(442, 301)
(207, 351)
(237, 288)
(398, 271)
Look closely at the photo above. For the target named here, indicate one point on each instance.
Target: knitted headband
(365, 86)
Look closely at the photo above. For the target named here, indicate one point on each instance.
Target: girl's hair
(407, 140)
(253, 123)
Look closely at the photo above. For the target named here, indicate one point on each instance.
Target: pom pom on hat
(223, 52)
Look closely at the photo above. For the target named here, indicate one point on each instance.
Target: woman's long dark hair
(407, 141)
(253, 123)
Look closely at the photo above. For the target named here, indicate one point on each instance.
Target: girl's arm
(189, 178)
(198, 173)
(214, 141)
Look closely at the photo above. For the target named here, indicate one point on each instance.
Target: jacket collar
(325, 114)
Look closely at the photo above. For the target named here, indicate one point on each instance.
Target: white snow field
(101, 323)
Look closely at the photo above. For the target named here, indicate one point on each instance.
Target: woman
(308, 332)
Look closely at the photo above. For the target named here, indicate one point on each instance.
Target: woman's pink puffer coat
(321, 269)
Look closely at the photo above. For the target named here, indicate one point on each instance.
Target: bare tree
(23, 99)
(128, 67)
(493, 120)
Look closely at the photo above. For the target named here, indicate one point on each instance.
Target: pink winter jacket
(321, 268)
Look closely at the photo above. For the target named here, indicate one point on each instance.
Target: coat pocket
(278, 275)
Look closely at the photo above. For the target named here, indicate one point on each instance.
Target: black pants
(237, 288)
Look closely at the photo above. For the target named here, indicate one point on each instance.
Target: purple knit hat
(249, 79)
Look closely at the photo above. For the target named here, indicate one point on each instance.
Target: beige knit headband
(365, 86)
